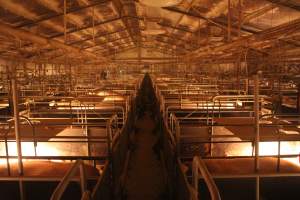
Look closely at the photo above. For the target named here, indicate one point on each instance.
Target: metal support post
(257, 183)
(256, 116)
(17, 134)
(17, 125)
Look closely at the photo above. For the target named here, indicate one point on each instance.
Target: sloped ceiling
(144, 53)
(97, 29)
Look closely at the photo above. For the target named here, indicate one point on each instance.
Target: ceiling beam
(56, 15)
(171, 44)
(191, 43)
(90, 39)
(98, 36)
(122, 10)
(22, 10)
(224, 23)
(254, 40)
(116, 46)
(190, 14)
(199, 16)
(173, 37)
(121, 50)
(86, 27)
(97, 15)
(163, 49)
(285, 4)
(176, 28)
(55, 6)
(108, 41)
(257, 13)
(28, 36)
(145, 58)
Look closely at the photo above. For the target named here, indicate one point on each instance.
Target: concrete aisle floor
(145, 179)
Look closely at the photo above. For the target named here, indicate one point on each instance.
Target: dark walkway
(145, 176)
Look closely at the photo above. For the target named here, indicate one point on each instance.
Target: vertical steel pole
(239, 35)
(93, 22)
(257, 197)
(17, 125)
(256, 114)
(83, 180)
(195, 176)
(298, 98)
(240, 17)
(17, 134)
(256, 117)
(65, 21)
(229, 22)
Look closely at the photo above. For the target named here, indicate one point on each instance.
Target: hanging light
(160, 3)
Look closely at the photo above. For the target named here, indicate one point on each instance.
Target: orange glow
(44, 149)
(267, 149)
(104, 93)
(113, 98)
(77, 108)
(210, 106)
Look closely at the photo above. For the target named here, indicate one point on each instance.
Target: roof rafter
(163, 48)
(171, 44)
(115, 46)
(98, 36)
(120, 8)
(121, 50)
(54, 16)
(28, 36)
(108, 41)
(86, 27)
(285, 4)
(253, 40)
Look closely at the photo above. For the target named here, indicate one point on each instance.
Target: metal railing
(117, 144)
(174, 128)
(217, 110)
(112, 133)
(62, 186)
(102, 189)
(215, 107)
(76, 110)
(279, 137)
(278, 129)
(200, 166)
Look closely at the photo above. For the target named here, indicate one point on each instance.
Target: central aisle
(145, 176)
